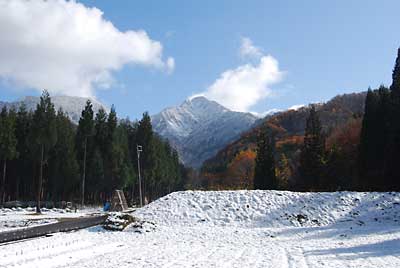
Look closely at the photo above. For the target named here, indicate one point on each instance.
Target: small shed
(118, 201)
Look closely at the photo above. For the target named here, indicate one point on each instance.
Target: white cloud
(248, 50)
(170, 65)
(266, 113)
(241, 88)
(68, 48)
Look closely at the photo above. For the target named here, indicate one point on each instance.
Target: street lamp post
(138, 150)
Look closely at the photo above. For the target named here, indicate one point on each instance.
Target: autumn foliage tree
(241, 169)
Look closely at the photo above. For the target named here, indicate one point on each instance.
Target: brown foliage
(346, 137)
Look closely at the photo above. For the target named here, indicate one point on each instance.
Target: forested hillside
(230, 165)
(45, 156)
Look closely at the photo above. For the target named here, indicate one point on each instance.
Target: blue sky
(323, 49)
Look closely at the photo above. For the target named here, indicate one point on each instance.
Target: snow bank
(271, 208)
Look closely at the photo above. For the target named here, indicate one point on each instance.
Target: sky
(252, 56)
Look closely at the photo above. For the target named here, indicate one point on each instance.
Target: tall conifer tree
(264, 172)
(24, 166)
(43, 136)
(392, 170)
(312, 156)
(84, 137)
(8, 145)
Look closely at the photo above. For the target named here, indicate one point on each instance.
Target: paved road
(62, 226)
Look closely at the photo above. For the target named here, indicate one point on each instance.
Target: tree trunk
(17, 185)
(84, 175)
(39, 190)
(3, 184)
(133, 193)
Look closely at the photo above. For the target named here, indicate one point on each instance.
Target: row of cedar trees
(42, 156)
(372, 165)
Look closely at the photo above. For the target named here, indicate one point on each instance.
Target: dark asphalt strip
(42, 230)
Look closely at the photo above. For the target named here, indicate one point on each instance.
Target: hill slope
(289, 126)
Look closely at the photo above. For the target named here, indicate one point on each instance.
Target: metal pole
(138, 150)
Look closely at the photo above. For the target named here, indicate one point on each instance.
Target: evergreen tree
(84, 137)
(369, 144)
(264, 172)
(312, 156)
(63, 165)
(110, 157)
(23, 163)
(391, 170)
(122, 168)
(43, 136)
(101, 131)
(147, 157)
(283, 172)
(98, 163)
(8, 144)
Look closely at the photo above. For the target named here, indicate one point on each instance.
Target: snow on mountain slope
(71, 105)
(272, 208)
(198, 128)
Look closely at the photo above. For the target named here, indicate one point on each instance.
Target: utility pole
(138, 150)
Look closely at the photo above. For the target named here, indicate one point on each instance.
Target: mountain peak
(203, 102)
(199, 127)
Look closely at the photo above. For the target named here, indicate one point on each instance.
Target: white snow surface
(234, 229)
(15, 218)
(271, 208)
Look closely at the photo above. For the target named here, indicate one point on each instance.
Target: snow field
(271, 208)
(26, 217)
(234, 229)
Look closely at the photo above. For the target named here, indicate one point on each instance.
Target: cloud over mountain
(241, 88)
(68, 48)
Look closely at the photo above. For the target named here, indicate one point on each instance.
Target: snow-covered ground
(234, 229)
(15, 218)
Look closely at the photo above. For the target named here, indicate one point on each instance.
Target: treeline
(380, 136)
(45, 156)
(360, 155)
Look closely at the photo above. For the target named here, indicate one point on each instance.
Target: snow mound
(272, 208)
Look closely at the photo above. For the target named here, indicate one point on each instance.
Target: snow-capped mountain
(73, 106)
(199, 127)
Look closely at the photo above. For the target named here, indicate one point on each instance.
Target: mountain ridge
(73, 106)
(199, 127)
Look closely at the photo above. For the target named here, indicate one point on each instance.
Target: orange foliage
(346, 137)
(295, 139)
(241, 169)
